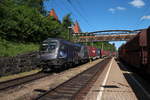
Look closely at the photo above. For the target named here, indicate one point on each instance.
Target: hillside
(9, 48)
(24, 24)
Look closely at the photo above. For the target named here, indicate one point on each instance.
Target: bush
(8, 48)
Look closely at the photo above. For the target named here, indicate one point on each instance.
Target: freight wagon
(92, 52)
(136, 52)
(105, 53)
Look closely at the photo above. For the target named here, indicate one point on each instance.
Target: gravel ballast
(32, 90)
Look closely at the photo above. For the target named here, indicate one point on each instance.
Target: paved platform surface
(111, 85)
(117, 87)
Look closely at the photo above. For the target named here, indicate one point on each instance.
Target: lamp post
(69, 32)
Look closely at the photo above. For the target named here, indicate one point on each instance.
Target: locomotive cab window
(48, 46)
(44, 47)
(52, 46)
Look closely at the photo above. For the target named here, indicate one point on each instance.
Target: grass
(8, 48)
(10, 77)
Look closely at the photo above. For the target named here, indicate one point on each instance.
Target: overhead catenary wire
(59, 11)
(70, 11)
(83, 11)
(81, 15)
(63, 8)
(67, 9)
(75, 9)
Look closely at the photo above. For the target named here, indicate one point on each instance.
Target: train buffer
(116, 83)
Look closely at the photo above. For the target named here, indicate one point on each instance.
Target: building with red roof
(76, 27)
(53, 14)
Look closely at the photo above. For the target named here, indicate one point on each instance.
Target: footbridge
(106, 35)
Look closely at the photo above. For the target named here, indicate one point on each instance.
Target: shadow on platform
(133, 79)
(110, 86)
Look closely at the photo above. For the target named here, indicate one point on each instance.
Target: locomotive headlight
(62, 54)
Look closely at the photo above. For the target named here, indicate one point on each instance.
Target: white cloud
(120, 8)
(137, 3)
(145, 17)
(113, 10)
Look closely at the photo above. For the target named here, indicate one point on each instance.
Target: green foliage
(8, 48)
(37, 4)
(66, 23)
(23, 21)
(25, 24)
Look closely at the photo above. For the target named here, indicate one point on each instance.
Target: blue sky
(94, 15)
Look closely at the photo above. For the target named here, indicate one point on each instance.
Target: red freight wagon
(129, 52)
(105, 53)
(137, 51)
(113, 54)
(92, 52)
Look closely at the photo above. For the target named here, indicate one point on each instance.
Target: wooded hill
(26, 22)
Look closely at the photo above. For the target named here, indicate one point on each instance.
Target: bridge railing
(107, 35)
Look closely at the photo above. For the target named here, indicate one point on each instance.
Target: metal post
(86, 40)
(102, 45)
(69, 33)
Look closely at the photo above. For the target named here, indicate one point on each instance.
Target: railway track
(76, 87)
(19, 81)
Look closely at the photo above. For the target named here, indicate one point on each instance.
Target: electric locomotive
(57, 53)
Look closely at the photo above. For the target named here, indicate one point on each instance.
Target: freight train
(58, 54)
(136, 52)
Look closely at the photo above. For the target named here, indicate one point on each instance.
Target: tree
(25, 24)
(66, 23)
(37, 4)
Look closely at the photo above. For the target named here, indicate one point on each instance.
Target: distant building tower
(52, 13)
(76, 28)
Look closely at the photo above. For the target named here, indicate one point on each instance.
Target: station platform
(113, 85)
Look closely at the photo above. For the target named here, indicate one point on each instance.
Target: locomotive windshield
(51, 46)
(48, 46)
(44, 47)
